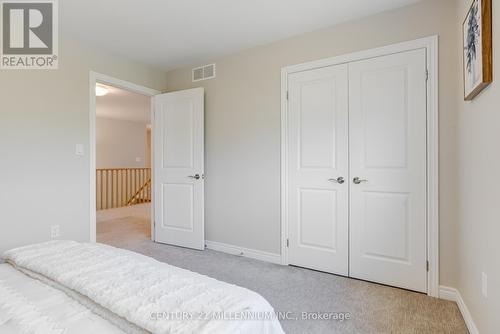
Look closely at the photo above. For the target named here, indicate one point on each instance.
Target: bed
(71, 287)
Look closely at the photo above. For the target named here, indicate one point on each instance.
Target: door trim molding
(430, 44)
(94, 78)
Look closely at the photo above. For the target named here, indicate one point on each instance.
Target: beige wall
(120, 142)
(43, 114)
(478, 189)
(148, 148)
(243, 123)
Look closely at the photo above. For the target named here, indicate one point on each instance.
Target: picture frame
(477, 48)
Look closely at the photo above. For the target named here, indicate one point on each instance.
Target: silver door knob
(357, 180)
(196, 176)
(339, 180)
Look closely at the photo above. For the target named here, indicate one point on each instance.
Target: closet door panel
(317, 161)
(387, 136)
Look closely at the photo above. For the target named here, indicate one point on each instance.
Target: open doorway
(121, 161)
(123, 165)
(175, 184)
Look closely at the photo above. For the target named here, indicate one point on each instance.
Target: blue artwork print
(473, 34)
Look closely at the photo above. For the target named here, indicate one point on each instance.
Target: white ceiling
(173, 33)
(123, 105)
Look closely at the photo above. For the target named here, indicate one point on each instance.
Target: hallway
(123, 225)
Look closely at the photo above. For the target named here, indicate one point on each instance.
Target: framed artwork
(477, 39)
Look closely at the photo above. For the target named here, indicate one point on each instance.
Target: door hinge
(426, 75)
(287, 242)
(287, 95)
(427, 265)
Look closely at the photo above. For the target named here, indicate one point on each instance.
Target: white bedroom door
(317, 169)
(179, 168)
(387, 132)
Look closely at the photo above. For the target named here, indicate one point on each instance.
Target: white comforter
(30, 306)
(138, 293)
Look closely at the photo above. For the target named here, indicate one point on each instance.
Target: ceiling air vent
(204, 72)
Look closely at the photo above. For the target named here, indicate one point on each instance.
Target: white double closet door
(356, 169)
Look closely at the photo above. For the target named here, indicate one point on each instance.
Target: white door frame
(430, 44)
(95, 78)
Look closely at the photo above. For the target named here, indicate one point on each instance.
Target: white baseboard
(245, 252)
(454, 295)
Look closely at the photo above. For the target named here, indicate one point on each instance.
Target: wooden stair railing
(119, 187)
(138, 197)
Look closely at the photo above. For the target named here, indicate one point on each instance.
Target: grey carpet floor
(374, 308)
